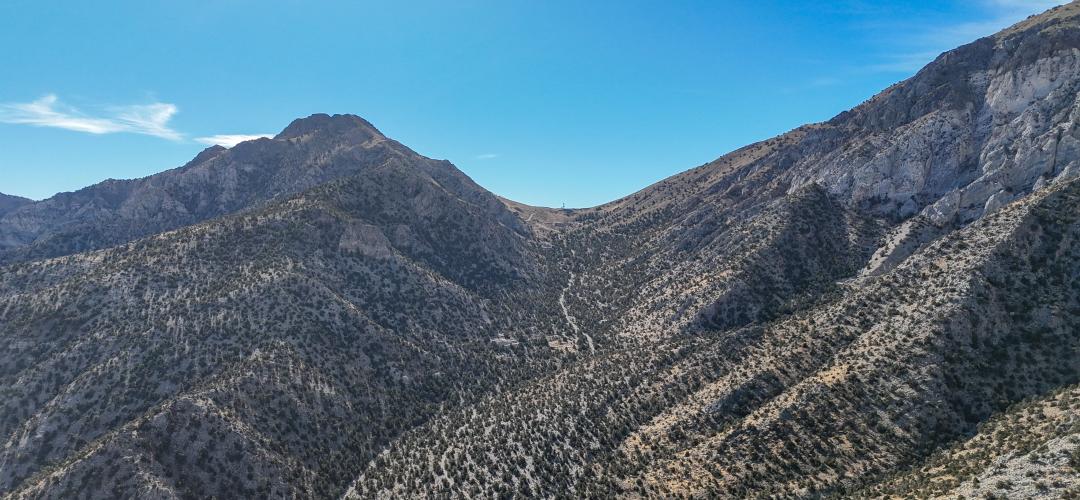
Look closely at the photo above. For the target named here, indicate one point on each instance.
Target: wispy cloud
(824, 81)
(147, 119)
(229, 140)
(487, 156)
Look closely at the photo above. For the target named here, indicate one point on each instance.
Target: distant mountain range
(883, 304)
(219, 181)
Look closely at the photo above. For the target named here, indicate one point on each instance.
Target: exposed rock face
(887, 303)
(978, 127)
(366, 239)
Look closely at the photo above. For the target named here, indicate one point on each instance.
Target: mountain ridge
(218, 181)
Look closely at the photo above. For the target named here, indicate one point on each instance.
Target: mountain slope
(983, 125)
(354, 310)
(1031, 450)
(980, 126)
(813, 403)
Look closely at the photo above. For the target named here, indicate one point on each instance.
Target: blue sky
(546, 103)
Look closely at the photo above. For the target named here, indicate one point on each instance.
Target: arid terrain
(885, 304)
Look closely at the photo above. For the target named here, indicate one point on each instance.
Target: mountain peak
(207, 154)
(333, 124)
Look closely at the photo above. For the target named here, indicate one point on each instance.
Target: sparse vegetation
(886, 304)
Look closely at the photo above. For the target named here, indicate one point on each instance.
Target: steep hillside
(982, 125)
(272, 352)
(817, 402)
(810, 366)
(715, 269)
(1031, 450)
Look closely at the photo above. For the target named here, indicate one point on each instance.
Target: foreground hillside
(884, 304)
(815, 402)
(1030, 450)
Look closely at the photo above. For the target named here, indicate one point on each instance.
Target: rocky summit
(885, 304)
